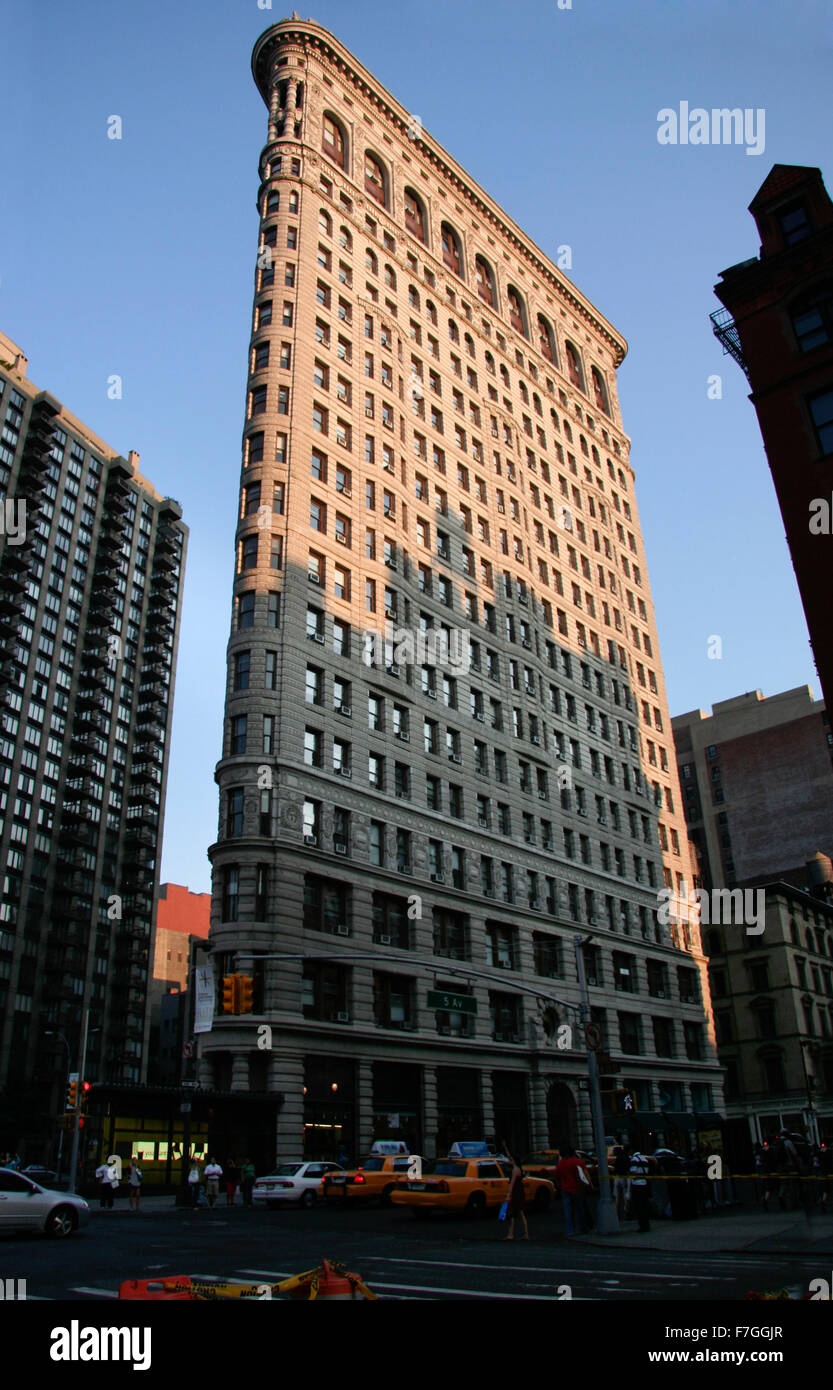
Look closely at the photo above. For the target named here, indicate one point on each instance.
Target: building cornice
(315, 38)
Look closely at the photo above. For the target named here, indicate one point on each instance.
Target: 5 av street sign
(453, 1003)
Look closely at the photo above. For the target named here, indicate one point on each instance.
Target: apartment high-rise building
(91, 570)
(757, 785)
(447, 752)
(777, 323)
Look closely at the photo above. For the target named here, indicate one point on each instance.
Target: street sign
(453, 1003)
(593, 1036)
(188, 1049)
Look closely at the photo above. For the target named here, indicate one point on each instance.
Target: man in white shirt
(640, 1193)
(213, 1173)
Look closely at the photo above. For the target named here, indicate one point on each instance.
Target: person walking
(247, 1181)
(102, 1177)
(571, 1177)
(232, 1181)
(194, 1177)
(213, 1174)
(134, 1185)
(515, 1198)
(639, 1166)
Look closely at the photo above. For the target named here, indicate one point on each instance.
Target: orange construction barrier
(178, 1286)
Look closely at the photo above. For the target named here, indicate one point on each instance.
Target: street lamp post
(607, 1219)
(811, 1047)
(50, 1033)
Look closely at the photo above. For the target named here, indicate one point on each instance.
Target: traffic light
(72, 1095)
(624, 1103)
(85, 1089)
(245, 987)
(230, 994)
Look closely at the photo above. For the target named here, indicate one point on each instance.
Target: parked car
(29, 1206)
(542, 1163)
(294, 1181)
(44, 1176)
(471, 1185)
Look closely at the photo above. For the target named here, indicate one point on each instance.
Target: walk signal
(230, 994)
(72, 1095)
(624, 1103)
(245, 994)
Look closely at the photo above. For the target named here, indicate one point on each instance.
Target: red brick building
(778, 325)
(181, 914)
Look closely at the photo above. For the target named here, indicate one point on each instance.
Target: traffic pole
(76, 1132)
(607, 1220)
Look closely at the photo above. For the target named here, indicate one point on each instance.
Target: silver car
(26, 1205)
(297, 1181)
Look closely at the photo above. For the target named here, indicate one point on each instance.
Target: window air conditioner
(342, 1017)
(313, 578)
(340, 849)
(437, 878)
(383, 940)
(345, 709)
(342, 929)
(310, 839)
(403, 735)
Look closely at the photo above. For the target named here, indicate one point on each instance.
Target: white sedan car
(26, 1205)
(295, 1181)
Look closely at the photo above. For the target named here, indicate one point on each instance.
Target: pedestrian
(102, 1177)
(247, 1179)
(134, 1185)
(621, 1184)
(515, 1198)
(111, 1182)
(194, 1183)
(571, 1176)
(232, 1181)
(14, 1163)
(639, 1167)
(213, 1174)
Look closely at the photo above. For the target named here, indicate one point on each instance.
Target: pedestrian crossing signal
(624, 1103)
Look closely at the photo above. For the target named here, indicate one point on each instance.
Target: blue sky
(135, 257)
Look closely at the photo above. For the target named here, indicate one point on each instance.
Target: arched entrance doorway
(561, 1116)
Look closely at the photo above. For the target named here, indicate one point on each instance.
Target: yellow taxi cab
(389, 1161)
(542, 1163)
(471, 1185)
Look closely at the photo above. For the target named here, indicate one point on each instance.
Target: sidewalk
(783, 1232)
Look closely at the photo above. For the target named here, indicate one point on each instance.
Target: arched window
(490, 363)
(325, 222)
(504, 376)
(556, 426)
(452, 252)
(431, 311)
(596, 458)
(546, 339)
(574, 371)
(622, 482)
(415, 219)
(345, 240)
(469, 342)
(374, 179)
(453, 331)
(390, 277)
(485, 281)
(599, 390)
(333, 141)
(517, 314)
(370, 262)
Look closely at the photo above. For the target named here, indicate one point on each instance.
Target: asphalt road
(398, 1257)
